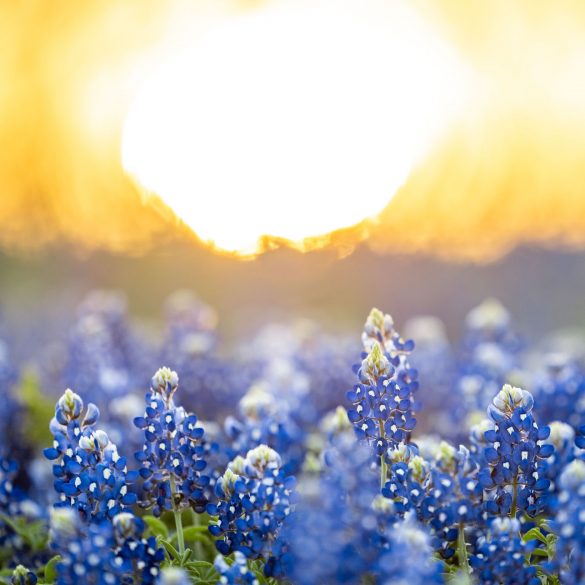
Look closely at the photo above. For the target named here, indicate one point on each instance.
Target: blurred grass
(38, 410)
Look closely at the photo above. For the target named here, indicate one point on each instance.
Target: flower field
(430, 462)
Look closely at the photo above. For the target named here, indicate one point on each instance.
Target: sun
(292, 120)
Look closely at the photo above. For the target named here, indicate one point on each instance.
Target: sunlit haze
(292, 120)
(432, 121)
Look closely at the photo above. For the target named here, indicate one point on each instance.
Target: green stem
(198, 549)
(462, 550)
(178, 518)
(383, 471)
(514, 508)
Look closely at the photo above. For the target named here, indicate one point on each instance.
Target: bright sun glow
(292, 120)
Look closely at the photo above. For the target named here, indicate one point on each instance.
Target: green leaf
(51, 569)
(171, 550)
(156, 526)
(534, 534)
(203, 571)
(35, 534)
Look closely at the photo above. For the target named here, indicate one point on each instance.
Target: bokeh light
(293, 120)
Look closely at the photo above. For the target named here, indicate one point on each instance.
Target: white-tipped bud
(378, 329)
(237, 465)
(258, 459)
(336, 422)
(491, 315)
(125, 526)
(165, 382)
(257, 402)
(63, 523)
(511, 397)
(173, 576)
(227, 481)
(376, 364)
(573, 476)
(560, 434)
(94, 441)
(70, 404)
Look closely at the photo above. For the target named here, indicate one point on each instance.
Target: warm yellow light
(292, 120)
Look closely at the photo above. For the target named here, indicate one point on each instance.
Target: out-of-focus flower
(500, 556)
(237, 573)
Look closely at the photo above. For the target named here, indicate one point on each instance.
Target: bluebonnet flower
(489, 356)
(209, 380)
(515, 479)
(490, 322)
(334, 428)
(408, 478)
(434, 360)
(23, 576)
(499, 557)
(265, 422)
(324, 359)
(569, 524)
(172, 455)
(14, 444)
(8, 471)
(560, 390)
(443, 493)
(254, 499)
(382, 402)
(409, 557)
(16, 508)
(237, 573)
(341, 524)
(105, 359)
(105, 553)
(562, 438)
(89, 473)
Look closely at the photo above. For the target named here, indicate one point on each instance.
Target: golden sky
(509, 169)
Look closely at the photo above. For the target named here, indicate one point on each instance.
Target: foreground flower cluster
(289, 490)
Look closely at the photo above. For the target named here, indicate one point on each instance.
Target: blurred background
(285, 159)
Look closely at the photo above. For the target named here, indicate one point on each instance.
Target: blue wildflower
(409, 556)
(105, 553)
(172, 455)
(515, 478)
(341, 524)
(445, 493)
(105, 359)
(265, 422)
(209, 382)
(499, 557)
(560, 390)
(488, 356)
(89, 473)
(255, 497)
(569, 524)
(434, 360)
(237, 573)
(382, 402)
(562, 438)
